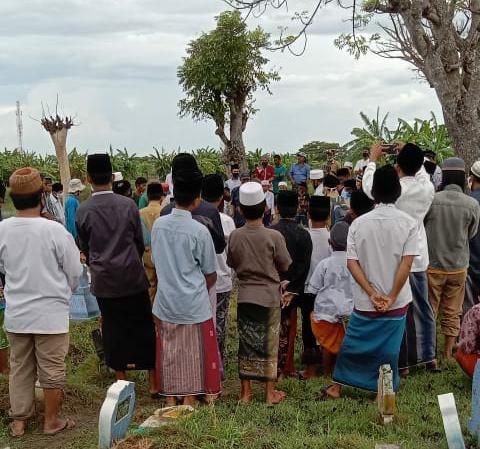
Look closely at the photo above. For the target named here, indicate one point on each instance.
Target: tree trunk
(59, 139)
(463, 126)
(235, 153)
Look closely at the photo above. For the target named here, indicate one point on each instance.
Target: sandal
(69, 424)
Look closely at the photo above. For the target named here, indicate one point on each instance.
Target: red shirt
(265, 174)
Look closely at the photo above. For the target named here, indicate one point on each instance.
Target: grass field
(300, 422)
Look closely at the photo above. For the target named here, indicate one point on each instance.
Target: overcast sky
(113, 63)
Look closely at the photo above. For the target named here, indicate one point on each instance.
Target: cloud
(114, 63)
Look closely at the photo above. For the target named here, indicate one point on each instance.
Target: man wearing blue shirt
(300, 172)
(71, 206)
(183, 253)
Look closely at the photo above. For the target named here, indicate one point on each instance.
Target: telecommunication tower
(19, 128)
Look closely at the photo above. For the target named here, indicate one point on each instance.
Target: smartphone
(389, 148)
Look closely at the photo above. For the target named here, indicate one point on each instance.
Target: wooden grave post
(386, 395)
(110, 426)
(453, 431)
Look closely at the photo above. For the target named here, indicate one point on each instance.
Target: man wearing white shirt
(317, 179)
(42, 268)
(362, 163)
(417, 195)
(381, 246)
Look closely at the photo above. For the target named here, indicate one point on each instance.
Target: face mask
(235, 175)
(264, 164)
(365, 155)
(346, 195)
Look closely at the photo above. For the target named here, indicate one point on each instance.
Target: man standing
(332, 164)
(472, 292)
(148, 215)
(234, 180)
(110, 236)
(140, 189)
(300, 172)
(49, 209)
(362, 163)
(188, 363)
(238, 217)
(419, 344)
(382, 293)
(280, 172)
(42, 268)
(450, 223)
(299, 245)
(72, 204)
(265, 172)
(317, 180)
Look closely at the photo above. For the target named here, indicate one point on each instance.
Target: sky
(113, 64)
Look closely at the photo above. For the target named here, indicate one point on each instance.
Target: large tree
(220, 75)
(439, 38)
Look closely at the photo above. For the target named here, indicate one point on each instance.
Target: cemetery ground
(299, 422)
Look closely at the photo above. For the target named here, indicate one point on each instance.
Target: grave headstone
(453, 431)
(474, 422)
(116, 413)
(387, 446)
(386, 395)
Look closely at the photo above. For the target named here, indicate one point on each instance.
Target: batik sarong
(258, 333)
(369, 343)
(419, 341)
(187, 362)
(223, 303)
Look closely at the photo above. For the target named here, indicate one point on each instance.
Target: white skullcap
(251, 194)
(117, 176)
(348, 164)
(282, 183)
(476, 169)
(316, 174)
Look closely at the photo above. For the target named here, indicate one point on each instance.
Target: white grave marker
(112, 427)
(386, 396)
(474, 422)
(453, 431)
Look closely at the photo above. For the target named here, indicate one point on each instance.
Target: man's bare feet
(275, 397)
(17, 428)
(333, 391)
(59, 426)
(190, 400)
(246, 398)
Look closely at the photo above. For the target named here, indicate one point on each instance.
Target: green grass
(300, 422)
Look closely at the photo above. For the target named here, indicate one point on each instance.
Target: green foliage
(222, 68)
(316, 152)
(426, 133)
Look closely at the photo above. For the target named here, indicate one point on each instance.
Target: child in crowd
(258, 255)
(270, 201)
(333, 285)
(299, 245)
(303, 200)
(319, 215)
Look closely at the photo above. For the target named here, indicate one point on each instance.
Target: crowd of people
(371, 254)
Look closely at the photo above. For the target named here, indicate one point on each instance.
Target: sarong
(258, 334)
(368, 344)
(128, 332)
(467, 362)
(329, 335)
(187, 362)
(288, 337)
(223, 303)
(419, 341)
